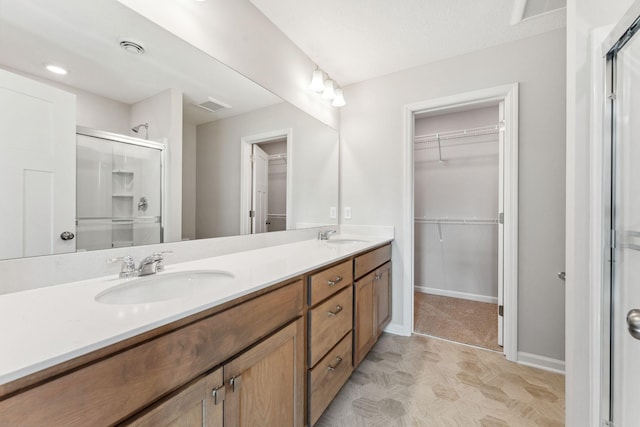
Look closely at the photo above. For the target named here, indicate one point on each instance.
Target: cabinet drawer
(329, 281)
(112, 389)
(367, 262)
(326, 379)
(329, 322)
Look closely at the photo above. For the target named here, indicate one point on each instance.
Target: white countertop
(43, 327)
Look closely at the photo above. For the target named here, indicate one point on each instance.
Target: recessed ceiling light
(56, 69)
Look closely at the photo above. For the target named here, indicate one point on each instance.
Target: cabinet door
(265, 384)
(366, 331)
(382, 281)
(198, 404)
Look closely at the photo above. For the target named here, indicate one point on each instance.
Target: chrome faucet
(324, 234)
(149, 265)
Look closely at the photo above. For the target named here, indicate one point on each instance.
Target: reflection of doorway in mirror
(266, 182)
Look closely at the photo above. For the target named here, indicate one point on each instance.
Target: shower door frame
(124, 139)
(508, 94)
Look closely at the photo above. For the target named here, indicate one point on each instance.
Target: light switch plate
(333, 212)
(347, 213)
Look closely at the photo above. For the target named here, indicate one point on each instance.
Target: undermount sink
(340, 241)
(164, 287)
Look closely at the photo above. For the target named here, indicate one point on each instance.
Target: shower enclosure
(119, 190)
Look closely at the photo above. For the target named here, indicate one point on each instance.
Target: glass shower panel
(119, 194)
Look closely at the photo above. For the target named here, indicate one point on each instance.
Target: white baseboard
(541, 362)
(397, 329)
(456, 294)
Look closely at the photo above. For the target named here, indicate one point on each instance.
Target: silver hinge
(501, 310)
(501, 218)
(612, 238)
(252, 214)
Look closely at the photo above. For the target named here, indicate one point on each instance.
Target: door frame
(509, 95)
(246, 143)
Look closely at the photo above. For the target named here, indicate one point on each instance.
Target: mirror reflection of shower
(136, 129)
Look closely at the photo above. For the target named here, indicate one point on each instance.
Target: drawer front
(328, 322)
(326, 379)
(329, 281)
(367, 262)
(112, 389)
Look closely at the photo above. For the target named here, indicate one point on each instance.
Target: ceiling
(83, 36)
(356, 40)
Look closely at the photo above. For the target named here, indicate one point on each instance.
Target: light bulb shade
(328, 92)
(317, 83)
(338, 101)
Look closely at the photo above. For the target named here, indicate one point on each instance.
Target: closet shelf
(455, 134)
(463, 221)
(278, 157)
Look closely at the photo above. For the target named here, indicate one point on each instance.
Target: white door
(37, 167)
(625, 399)
(260, 190)
(501, 130)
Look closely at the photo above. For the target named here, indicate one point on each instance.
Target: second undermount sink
(341, 241)
(164, 287)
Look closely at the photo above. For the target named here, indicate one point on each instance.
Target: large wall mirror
(143, 138)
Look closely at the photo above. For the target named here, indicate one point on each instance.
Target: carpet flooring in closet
(455, 319)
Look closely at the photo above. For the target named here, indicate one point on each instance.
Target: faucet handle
(128, 268)
(160, 257)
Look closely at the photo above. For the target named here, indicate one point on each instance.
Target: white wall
(314, 162)
(237, 34)
(189, 181)
(372, 167)
(458, 260)
(583, 16)
(163, 113)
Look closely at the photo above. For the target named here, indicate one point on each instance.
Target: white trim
(508, 94)
(245, 174)
(396, 329)
(541, 362)
(457, 294)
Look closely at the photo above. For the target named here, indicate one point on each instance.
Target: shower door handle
(633, 321)
(67, 235)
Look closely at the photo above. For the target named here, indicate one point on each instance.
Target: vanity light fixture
(56, 69)
(338, 101)
(317, 82)
(329, 92)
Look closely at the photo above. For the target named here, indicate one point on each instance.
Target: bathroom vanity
(271, 347)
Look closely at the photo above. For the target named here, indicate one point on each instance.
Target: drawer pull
(377, 276)
(333, 282)
(335, 365)
(218, 395)
(333, 313)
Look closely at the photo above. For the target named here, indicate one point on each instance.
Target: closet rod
(463, 133)
(466, 221)
(278, 156)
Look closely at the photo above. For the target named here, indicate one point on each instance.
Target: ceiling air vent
(213, 105)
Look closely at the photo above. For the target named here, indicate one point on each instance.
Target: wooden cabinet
(372, 294)
(330, 321)
(114, 388)
(199, 404)
(265, 385)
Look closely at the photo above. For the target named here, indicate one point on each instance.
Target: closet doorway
(463, 254)
(266, 182)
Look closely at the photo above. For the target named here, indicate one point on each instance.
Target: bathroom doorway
(462, 238)
(266, 182)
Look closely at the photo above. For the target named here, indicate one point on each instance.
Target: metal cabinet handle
(633, 321)
(338, 279)
(335, 365)
(235, 383)
(377, 276)
(337, 310)
(218, 394)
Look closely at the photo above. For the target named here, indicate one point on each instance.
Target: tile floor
(424, 381)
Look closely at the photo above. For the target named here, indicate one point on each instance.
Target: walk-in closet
(456, 233)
